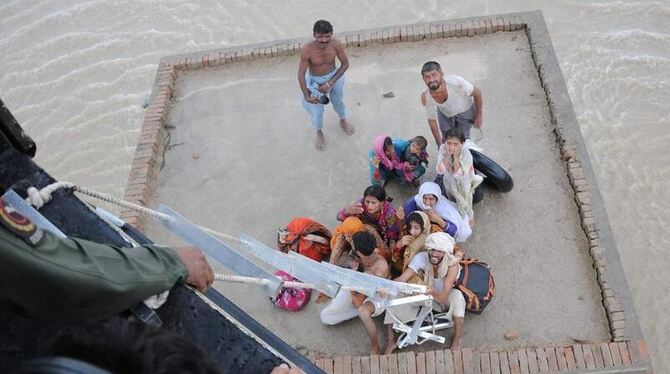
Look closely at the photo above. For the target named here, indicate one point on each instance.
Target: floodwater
(76, 74)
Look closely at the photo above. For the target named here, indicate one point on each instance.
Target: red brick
(383, 364)
(576, 173)
(365, 365)
(579, 356)
(480, 27)
(468, 360)
(504, 363)
(439, 362)
(435, 31)
(356, 365)
(421, 363)
(607, 355)
(485, 363)
(588, 356)
(560, 359)
(616, 355)
(513, 359)
(337, 365)
(598, 356)
(430, 362)
(612, 305)
(501, 24)
(458, 29)
(532, 361)
(458, 361)
(625, 356)
(551, 359)
(570, 359)
(374, 364)
(523, 361)
(618, 325)
(495, 363)
(328, 365)
(476, 364)
(347, 365)
(489, 26)
(449, 361)
(542, 360)
(450, 30)
(470, 25)
(581, 187)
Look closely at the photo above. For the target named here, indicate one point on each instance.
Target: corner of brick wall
(151, 144)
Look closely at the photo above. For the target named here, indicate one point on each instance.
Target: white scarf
(445, 209)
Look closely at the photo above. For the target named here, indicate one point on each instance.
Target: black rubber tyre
(495, 174)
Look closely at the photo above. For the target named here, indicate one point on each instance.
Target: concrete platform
(256, 168)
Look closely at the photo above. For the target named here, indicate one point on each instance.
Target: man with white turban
(439, 268)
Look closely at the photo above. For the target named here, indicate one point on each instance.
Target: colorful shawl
(385, 222)
(416, 245)
(445, 209)
(389, 164)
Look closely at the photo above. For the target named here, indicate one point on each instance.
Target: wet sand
(257, 168)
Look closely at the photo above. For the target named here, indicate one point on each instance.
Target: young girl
(417, 228)
(455, 165)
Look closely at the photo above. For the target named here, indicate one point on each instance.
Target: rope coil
(38, 198)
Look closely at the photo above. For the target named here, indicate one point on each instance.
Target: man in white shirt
(439, 269)
(450, 101)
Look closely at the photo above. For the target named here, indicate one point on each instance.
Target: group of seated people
(416, 242)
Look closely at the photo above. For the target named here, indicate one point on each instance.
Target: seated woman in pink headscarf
(403, 159)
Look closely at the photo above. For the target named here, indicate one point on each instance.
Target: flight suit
(45, 277)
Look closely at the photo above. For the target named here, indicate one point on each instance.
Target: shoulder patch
(19, 225)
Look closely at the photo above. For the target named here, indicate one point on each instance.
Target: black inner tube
(495, 174)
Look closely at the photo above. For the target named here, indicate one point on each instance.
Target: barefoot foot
(390, 347)
(320, 142)
(374, 350)
(346, 126)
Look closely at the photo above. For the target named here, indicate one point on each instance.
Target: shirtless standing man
(323, 78)
(450, 101)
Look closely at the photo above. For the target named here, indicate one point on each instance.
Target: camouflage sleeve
(66, 279)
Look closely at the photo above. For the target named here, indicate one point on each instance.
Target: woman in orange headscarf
(341, 240)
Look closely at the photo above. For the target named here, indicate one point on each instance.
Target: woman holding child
(402, 159)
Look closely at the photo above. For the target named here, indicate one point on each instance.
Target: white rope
(38, 198)
(285, 284)
(259, 281)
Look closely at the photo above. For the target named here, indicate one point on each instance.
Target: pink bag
(292, 299)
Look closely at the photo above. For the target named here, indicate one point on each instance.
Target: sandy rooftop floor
(257, 169)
